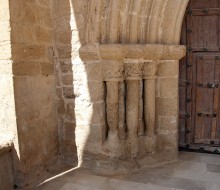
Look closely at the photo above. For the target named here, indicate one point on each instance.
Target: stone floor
(193, 171)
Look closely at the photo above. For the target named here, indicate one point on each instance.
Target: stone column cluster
(130, 104)
(129, 75)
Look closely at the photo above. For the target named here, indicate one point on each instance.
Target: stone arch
(137, 21)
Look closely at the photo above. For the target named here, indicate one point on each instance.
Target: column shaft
(149, 105)
(132, 107)
(112, 106)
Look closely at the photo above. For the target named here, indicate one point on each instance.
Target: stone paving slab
(193, 171)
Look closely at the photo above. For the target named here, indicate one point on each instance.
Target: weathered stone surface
(36, 120)
(94, 71)
(66, 66)
(19, 37)
(69, 131)
(47, 69)
(168, 123)
(168, 87)
(132, 51)
(167, 106)
(168, 68)
(59, 93)
(70, 111)
(6, 175)
(27, 68)
(64, 51)
(28, 52)
(60, 107)
(43, 35)
(68, 92)
(113, 70)
(167, 140)
(67, 79)
(26, 16)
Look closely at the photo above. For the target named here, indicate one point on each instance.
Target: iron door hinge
(205, 11)
(189, 12)
(188, 100)
(187, 116)
(189, 31)
(207, 115)
(217, 57)
(189, 49)
(188, 131)
(188, 65)
(187, 83)
(200, 57)
(209, 85)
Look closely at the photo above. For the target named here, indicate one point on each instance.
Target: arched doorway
(199, 126)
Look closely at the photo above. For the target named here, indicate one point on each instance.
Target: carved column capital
(113, 70)
(150, 70)
(133, 69)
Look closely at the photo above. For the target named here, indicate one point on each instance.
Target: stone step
(93, 182)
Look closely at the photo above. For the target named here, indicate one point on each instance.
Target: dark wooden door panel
(206, 98)
(199, 87)
(203, 32)
(203, 4)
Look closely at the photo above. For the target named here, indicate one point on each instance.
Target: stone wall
(34, 88)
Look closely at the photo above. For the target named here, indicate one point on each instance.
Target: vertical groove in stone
(143, 21)
(148, 18)
(93, 21)
(122, 124)
(106, 128)
(114, 22)
(124, 20)
(136, 8)
(153, 21)
(105, 15)
(141, 129)
(160, 20)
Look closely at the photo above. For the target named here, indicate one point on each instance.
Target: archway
(139, 82)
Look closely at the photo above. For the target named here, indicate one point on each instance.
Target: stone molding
(119, 52)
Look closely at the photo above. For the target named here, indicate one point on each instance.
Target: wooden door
(199, 123)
